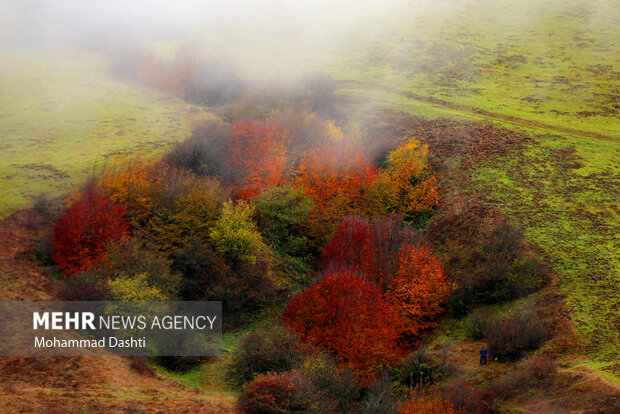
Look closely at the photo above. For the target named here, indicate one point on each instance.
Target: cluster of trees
(288, 207)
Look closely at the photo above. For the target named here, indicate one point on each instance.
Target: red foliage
(175, 76)
(257, 155)
(372, 248)
(347, 246)
(347, 315)
(386, 237)
(88, 224)
(273, 393)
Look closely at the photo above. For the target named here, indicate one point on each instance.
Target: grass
(62, 113)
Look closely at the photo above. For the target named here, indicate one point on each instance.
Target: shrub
(372, 247)
(419, 370)
(272, 394)
(234, 234)
(276, 350)
(282, 212)
(130, 259)
(336, 177)
(347, 316)
(380, 397)
(418, 291)
(136, 288)
(387, 236)
(477, 325)
(467, 397)
(510, 338)
(207, 276)
(426, 405)
(85, 286)
(203, 152)
(167, 207)
(532, 372)
(337, 383)
(496, 269)
(87, 225)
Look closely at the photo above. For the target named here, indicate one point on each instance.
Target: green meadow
(62, 114)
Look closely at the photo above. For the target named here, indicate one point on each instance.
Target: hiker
(483, 356)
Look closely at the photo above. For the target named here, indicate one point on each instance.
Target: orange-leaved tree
(257, 157)
(407, 185)
(87, 225)
(418, 290)
(336, 177)
(347, 316)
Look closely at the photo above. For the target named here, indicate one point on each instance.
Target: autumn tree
(169, 208)
(336, 177)
(371, 247)
(348, 245)
(407, 185)
(88, 224)
(234, 234)
(257, 156)
(281, 212)
(418, 290)
(347, 316)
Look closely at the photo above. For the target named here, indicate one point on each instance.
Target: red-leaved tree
(347, 316)
(257, 157)
(88, 224)
(347, 246)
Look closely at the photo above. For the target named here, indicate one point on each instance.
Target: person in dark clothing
(483, 356)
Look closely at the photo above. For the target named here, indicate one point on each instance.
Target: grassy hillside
(551, 70)
(62, 113)
(553, 62)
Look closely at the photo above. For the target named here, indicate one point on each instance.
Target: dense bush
(336, 177)
(511, 337)
(242, 288)
(477, 324)
(419, 370)
(426, 405)
(235, 234)
(87, 225)
(467, 397)
(130, 259)
(496, 269)
(85, 286)
(348, 245)
(136, 288)
(275, 350)
(282, 211)
(167, 207)
(532, 372)
(203, 152)
(347, 316)
(280, 393)
(337, 383)
(380, 397)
